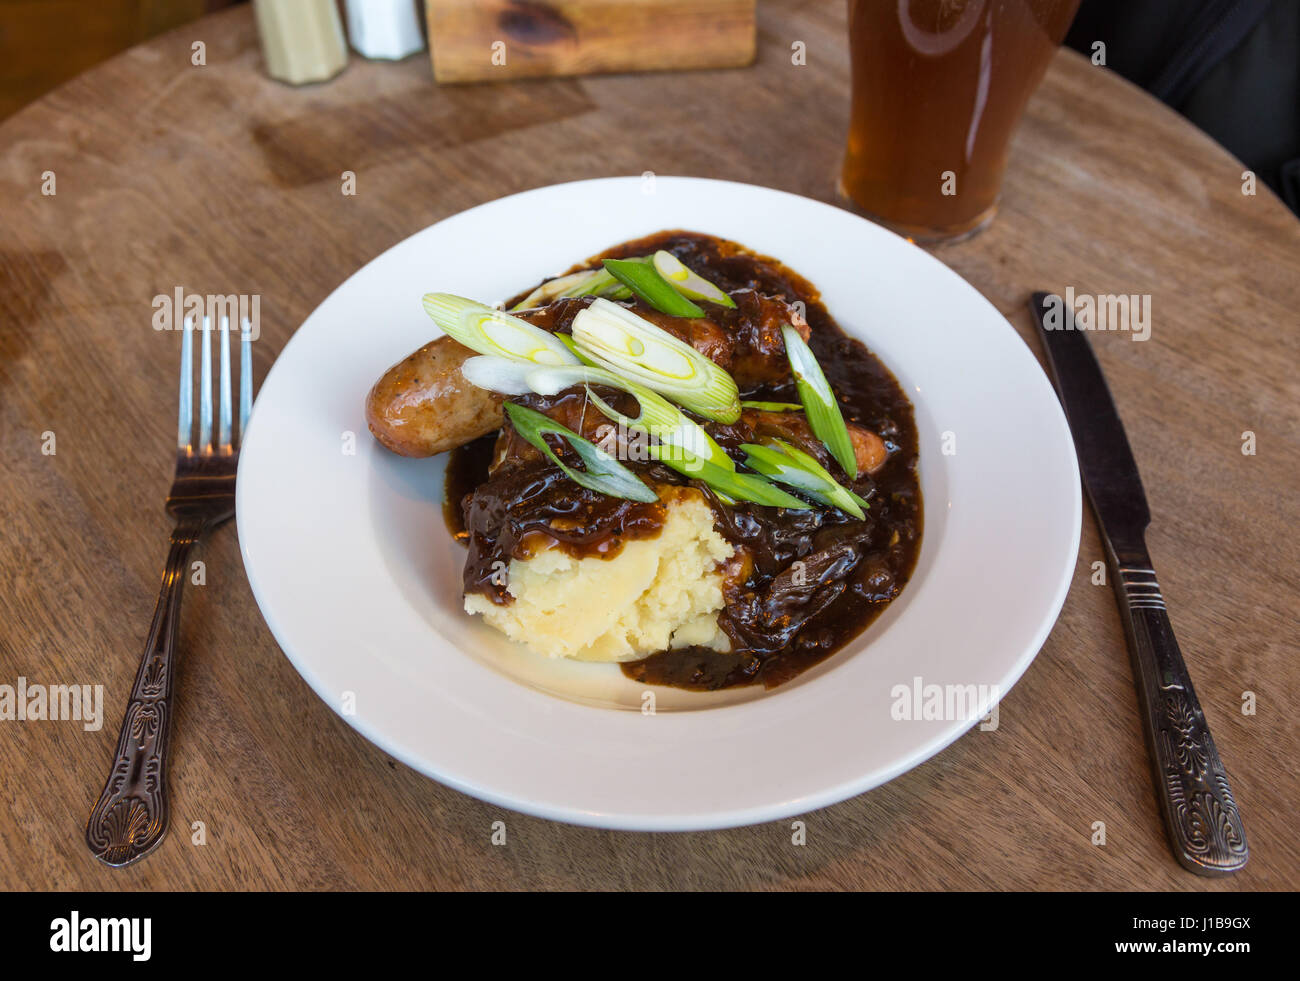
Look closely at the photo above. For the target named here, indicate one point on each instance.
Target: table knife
(1201, 816)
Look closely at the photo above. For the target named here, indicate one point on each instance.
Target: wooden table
(219, 180)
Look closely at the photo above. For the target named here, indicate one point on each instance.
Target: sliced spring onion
(489, 331)
(619, 340)
(497, 374)
(656, 416)
(691, 285)
(778, 460)
(568, 341)
(584, 282)
(772, 406)
(730, 485)
(819, 404)
(762, 491)
(603, 473)
(643, 279)
(682, 443)
(601, 283)
(557, 287)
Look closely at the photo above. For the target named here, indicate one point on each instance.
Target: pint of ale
(938, 87)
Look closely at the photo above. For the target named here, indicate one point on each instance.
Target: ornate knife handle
(1205, 829)
(130, 817)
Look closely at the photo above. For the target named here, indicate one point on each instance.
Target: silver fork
(130, 817)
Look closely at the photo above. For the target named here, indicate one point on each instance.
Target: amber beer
(938, 87)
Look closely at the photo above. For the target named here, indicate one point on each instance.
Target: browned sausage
(423, 404)
(868, 448)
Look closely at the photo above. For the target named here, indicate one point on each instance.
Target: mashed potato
(654, 594)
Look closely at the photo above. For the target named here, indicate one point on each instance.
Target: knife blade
(1200, 813)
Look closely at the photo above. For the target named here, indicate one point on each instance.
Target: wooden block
(490, 40)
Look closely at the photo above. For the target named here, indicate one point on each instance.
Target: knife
(1201, 816)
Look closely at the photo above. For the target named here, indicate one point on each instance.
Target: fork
(130, 817)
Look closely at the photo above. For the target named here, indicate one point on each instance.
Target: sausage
(868, 449)
(423, 405)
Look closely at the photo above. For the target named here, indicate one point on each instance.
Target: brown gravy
(818, 577)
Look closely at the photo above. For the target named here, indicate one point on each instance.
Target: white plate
(359, 581)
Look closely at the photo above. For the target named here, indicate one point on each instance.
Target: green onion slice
(497, 374)
(772, 406)
(584, 282)
(690, 284)
(819, 404)
(643, 279)
(603, 473)
(489, 331)
(730, 485)
(602, 283)
(619, 340)
(656, 416)
(572, 345)
(554, 288)
(682, 444)
(778, 460)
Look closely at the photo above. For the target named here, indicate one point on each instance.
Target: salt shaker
(302, 40)
(384, 28)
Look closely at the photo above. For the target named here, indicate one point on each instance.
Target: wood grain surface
(219, 180)
(494, 40)
(46, 42)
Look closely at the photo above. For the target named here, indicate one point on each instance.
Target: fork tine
(185, 415)
(245, 376)
(223, 423)
(205, 388)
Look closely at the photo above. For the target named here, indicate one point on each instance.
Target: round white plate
(357, 577)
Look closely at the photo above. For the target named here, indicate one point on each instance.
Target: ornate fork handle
(130, 817)
(1204, 825)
